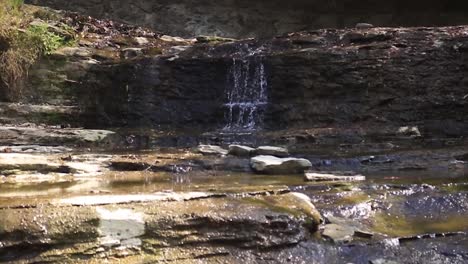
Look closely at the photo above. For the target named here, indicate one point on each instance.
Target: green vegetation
(23, 40)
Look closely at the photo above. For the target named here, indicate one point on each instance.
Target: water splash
(246, 94)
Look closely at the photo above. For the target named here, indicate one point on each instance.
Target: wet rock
(382, 261)
(172, 39)
(314, 176)
(129, 53)
(207, 39)
(463, 157)
(141, 41)
(364, 26)
(225, 164)
(275, 165)
(208, 222)
(28, 162)
(363, 233)
(410, 131)
(34, 149)
(300, 202)
(73, 52)
(55, 136)
(272, 151)
(211, 150)
(125, 199)
(338, 233)
(241, 151)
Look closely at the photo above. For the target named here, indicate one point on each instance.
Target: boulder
(275, 165)
(211, 150)
(241, 151)
(272, 151)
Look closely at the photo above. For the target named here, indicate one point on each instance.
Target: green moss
(50, 118)
(354, 198)
(153, 51)
(400, 226)
(49, 40)
(276, 208)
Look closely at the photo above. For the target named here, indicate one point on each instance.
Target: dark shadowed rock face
(380, 76)
(246, 18)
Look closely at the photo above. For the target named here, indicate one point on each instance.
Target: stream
(393, 216)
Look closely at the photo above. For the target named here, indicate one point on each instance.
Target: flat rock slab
(211, 150)
(22, 166)
(240, 151)
(338, 233)
(275, 165)
(313, 176)
(34, 149)
(137, 198)
(53, 136)
(149, 226)
(272, 151)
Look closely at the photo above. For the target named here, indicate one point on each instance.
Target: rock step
(164, 220)
(314, 176)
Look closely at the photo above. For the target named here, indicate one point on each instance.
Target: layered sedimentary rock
(374, 77)
(380, 76)
(246, 18)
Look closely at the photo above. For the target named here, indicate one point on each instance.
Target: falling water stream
(246, 94)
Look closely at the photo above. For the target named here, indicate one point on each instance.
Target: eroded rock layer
(246, 18)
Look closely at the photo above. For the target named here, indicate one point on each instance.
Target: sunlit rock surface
(274, 165)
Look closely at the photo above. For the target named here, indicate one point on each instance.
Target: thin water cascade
(246, 94)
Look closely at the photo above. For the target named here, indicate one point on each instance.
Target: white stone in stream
(272, 151)
(275, 165)
(131, 198)
(141, 41)
(241, 151)
(211, 150)
(411, 131)
(313, 176)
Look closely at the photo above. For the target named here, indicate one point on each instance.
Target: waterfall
(246, 94)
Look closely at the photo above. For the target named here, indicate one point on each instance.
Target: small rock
(411, 131)
(141, 41)
(275, 165)
(338, 233)
(313, 176)
(363, 233)
(172, 39)
(177, 49)
(241, 151)
(382, 261)
(129, 53)
(73, 52)
(207, 39)
(272, 151)
(364, 26)
(211, 150)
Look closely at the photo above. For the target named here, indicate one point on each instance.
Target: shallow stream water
(408, 213)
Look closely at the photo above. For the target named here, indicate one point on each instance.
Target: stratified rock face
(244, 18)
(413, 78)
(379, 76)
